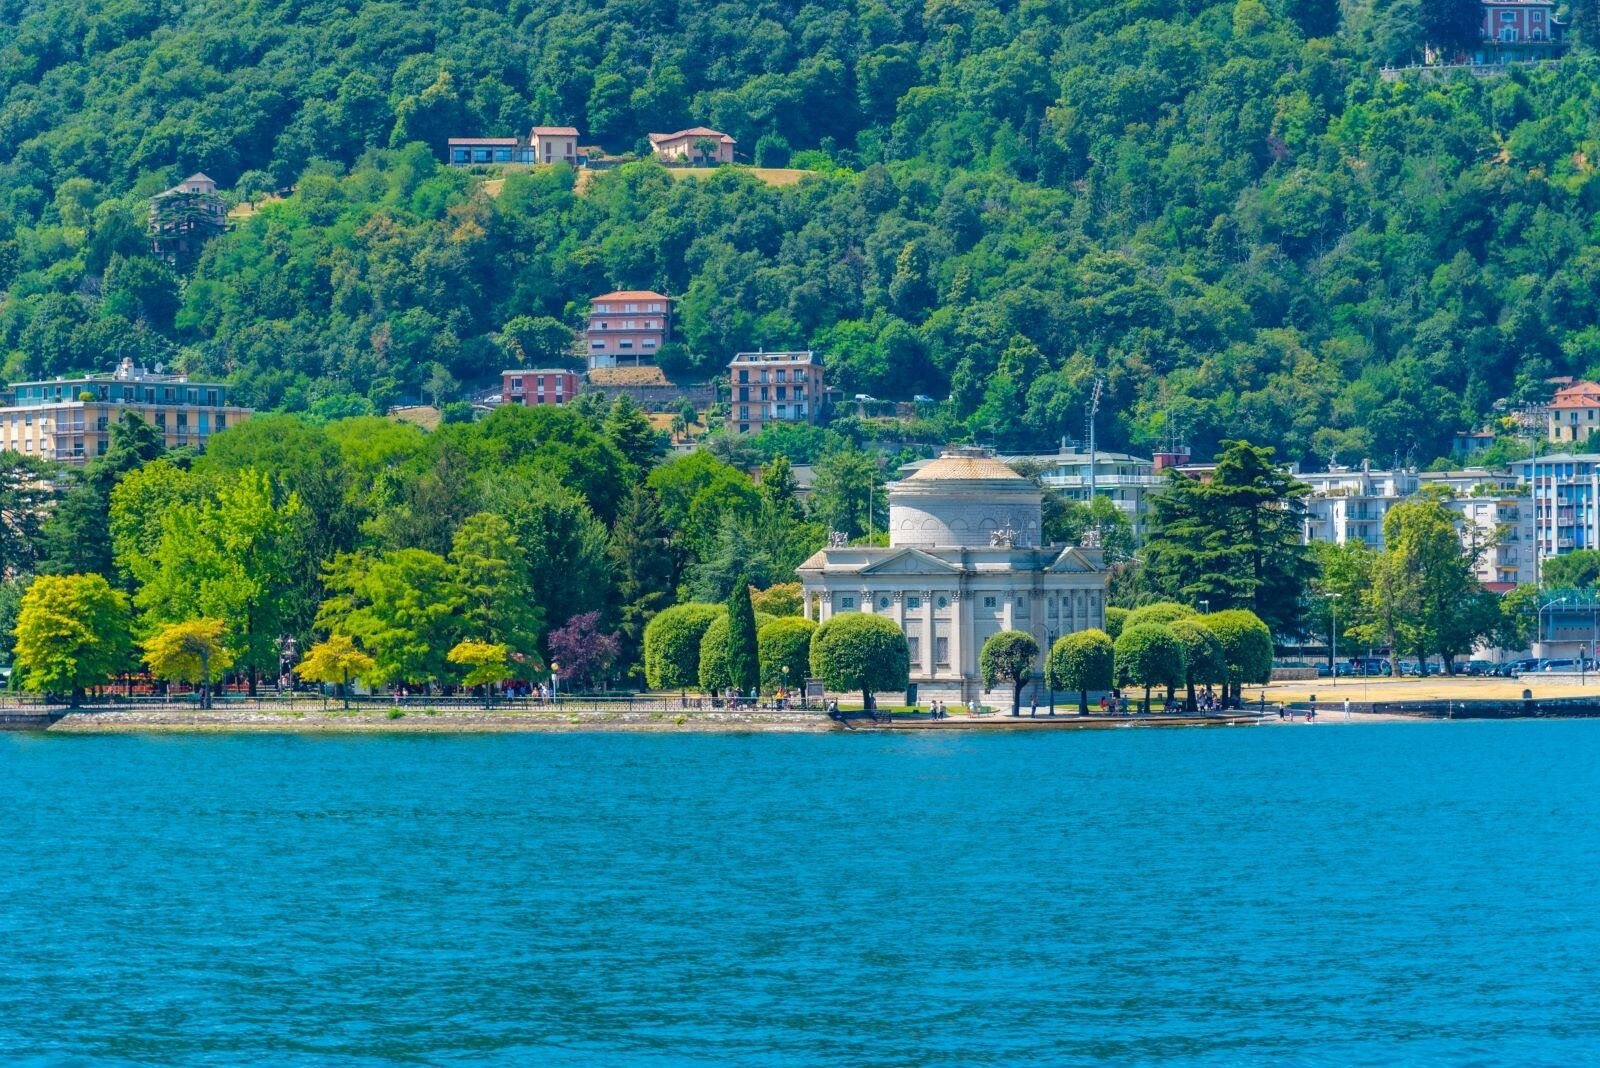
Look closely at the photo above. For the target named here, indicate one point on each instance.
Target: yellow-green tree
(72, 633)
(336, 660)
(194, 651)
(489, 664)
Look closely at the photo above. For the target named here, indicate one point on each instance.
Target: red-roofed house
(1574, 413)
(627, 327)
(695, 145)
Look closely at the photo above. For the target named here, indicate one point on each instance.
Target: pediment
(911, 562)
(1073, 562)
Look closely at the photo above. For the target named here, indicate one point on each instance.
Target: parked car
(1366, 666)
(1479, 668)
(1558, 665)
(1410, 669)
(1521, 667)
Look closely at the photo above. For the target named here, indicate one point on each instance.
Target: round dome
(965, 498)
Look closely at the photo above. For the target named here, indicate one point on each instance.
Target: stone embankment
(335, 720)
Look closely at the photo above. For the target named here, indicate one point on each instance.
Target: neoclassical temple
(964, 561)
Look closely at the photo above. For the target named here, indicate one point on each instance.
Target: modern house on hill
(696, 145)
(544, 144)
(627, 327)
(69, 418)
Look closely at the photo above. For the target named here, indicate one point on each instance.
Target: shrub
(859, 651)
(672, 645)
(1008, 657)
(1159, 612)
(1081, 661)
(1149, 655)
(783, 599)
(785, 642)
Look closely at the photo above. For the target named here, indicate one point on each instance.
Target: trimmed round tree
(1080, 661)
(1159, 612)
(1116, 618)
(1203, 663)
(860, 651)
(672, 645)
(785, 643)
(715, 668)
(1246, 647)
(1149, 655)
(1008, 657)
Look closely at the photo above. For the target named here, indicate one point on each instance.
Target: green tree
(1081, 661)
(1204, 662)
(1116, 619)
(857, 651)
(1007, 656)
(630, 431)
(1578, 569)
(1246, 647)
(744, 663)
(672, 645)
(336, 660)
(404, 606)
(644, 566)
(848, 493)
(194, 651)
(76, 537)
(1149, 655)
(785, 643)
(716, 663)
(1159, 612)
(500, 606)
(225, 558)
(487, 663)
(781, 599)
(72, 634)
(1234, 541)
(25, 500)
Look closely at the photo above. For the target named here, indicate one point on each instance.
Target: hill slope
(1245, 229)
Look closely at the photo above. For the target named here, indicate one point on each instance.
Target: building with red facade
(627, 328)
(546, 385)
(1519, 30)
(774, 387)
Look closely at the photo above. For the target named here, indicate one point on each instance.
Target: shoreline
(317, 721)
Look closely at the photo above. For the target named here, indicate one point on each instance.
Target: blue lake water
(1328, 894)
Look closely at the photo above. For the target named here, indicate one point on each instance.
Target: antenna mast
(1093, 410)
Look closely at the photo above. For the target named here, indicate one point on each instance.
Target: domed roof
(965, 465)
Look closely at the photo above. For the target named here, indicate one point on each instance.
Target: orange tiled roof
(556, 131)
(693, 131)
(1578, 395)
(629, 294)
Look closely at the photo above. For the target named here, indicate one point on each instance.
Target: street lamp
(786, 682)
(1333, 609)
(1539, 618)
(555, 681)
(1205, 607)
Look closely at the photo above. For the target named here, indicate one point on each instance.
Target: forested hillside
(1219, 206)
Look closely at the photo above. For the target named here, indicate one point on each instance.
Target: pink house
(548, 385)
(554, 144)
(1520, 29)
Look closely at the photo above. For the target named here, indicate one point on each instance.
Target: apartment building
(549, 385)
(771, 387)
(68, 419)
(627, 328)
(1573, 413)
(1127, 481)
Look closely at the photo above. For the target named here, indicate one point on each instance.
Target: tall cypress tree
(744, 663)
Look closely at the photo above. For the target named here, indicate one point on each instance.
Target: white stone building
(964, 561)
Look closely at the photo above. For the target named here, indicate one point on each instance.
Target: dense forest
(1219, 207)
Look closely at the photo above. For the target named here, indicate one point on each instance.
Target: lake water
(1328, 894)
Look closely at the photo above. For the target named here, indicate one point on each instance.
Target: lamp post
(786, 682)
(1333, 609)
(1205, 607)
(555, 682)
(1539, 619)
